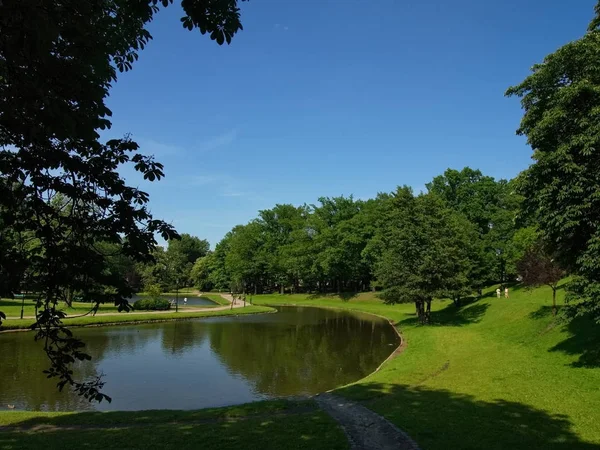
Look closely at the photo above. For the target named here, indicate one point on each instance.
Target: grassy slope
(265, 425)
(495, 374)
(123, 318)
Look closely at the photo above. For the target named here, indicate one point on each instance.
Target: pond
(184, 300)
(205, 362)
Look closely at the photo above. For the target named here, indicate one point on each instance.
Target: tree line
(463, 233)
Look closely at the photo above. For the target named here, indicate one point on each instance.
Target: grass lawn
(124, 318)
(265, 425)
(493, 374)
(12, 308)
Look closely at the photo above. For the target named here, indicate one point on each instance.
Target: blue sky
(331, 97)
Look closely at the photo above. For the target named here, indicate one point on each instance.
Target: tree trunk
(282, 289)
(553, 300)
(428, 313)
(420, 307)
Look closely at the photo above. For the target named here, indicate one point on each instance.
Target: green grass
(264, 425)
(12, 308)
(494, 374)
(125, 318)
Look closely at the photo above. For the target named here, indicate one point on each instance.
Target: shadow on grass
(583, 336)
(440, 419)
(583, 341)
(451, 316)
(301, 429)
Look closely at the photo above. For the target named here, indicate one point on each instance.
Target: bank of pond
(206, 362)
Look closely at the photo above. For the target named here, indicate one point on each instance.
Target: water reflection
(204, 363)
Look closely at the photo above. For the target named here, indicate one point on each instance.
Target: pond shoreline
(396, 352)
(189, 316)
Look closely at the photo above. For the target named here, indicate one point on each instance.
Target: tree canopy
(58, 61)
(561, 103)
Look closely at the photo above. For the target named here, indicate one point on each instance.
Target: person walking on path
(506, 292)
(498, 292)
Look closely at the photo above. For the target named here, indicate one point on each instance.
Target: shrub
(150, 304)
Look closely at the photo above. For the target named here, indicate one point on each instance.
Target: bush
(150, 304)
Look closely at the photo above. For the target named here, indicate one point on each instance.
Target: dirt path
(185, 309)
(365, 429)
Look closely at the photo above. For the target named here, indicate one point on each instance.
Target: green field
(494, 374)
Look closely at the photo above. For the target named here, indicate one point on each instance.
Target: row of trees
(463, 233)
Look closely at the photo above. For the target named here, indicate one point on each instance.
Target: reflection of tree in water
(316, 351)
(24, 383)
(23, 362)
(180, 336)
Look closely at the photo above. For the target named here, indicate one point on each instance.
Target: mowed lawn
(272, 425)
(493, 374)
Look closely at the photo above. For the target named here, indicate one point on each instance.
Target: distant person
(498, 292)
(185, 300)
(505, 292)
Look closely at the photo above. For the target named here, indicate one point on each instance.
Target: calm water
(204, 363)
(191, 300)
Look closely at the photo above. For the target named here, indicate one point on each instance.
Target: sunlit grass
(496, 373)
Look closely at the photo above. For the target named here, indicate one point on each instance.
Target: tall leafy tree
(182, 254)
(426, 252)
(561, 103)
(58, 61)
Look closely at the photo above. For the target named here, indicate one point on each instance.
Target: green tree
(201, 273)
(183, 253)
(561, 103)
(426, 252)
(537, 267)
(65, 56)
(491, 206)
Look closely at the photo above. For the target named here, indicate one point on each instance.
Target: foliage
(491, 206)
(537, 267)
(152, 304)
(427, 252)
(561, 102)
(61, 186)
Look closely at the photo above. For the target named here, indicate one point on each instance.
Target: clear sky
(330, 97)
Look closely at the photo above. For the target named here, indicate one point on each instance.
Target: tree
(57, 63)
(183, 253)
(426, 253)
(538, 268)
(491, 206)
(201, 273)
(561, 102)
